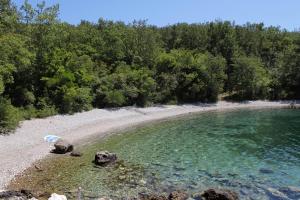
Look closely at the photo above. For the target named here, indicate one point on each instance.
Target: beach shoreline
(21, 149)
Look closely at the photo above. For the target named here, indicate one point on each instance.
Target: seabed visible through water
(252, 152)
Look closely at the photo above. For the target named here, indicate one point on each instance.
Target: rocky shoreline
(286, 193)
(210, 194)
(104, 159)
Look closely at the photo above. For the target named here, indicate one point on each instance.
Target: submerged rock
(55, 196)
(219, 194)
(103, 158)
(266, 171)
(291, 192)
(62, 147)
(275, 194)
(197, 196)
(178, 195)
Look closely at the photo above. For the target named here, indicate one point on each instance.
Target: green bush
(45, 108)
(76, 99)
(9, 116)
(28, 112)
(114, 98)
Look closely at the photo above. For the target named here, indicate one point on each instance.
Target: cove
(251, 151)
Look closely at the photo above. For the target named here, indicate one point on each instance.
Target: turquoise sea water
(248, 151)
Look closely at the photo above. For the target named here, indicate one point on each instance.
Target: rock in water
(219, 194)
(178, 195)
(291, 192)
(62, 147)
(55, 196)
(197, 196)
(266, 171)
(103, 158)
(275, 194)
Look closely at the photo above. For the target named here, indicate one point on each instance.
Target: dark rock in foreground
(103, 158)
(62, 147)
(16, 195)
(219, 194)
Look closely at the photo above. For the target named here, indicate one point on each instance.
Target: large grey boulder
(103, 158)
(219, 194)
(62, 146)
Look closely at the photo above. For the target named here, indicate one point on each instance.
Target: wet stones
(219, 194)
(103, 158)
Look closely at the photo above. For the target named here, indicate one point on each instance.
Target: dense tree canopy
(48, 66)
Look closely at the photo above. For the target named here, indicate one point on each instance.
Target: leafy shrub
(9, 116)
(76, 99)
(114, 98)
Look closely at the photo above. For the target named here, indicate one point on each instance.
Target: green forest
(48, 66)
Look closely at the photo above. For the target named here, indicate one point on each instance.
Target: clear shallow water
(248, 151)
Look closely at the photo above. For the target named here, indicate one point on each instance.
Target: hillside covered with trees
(48, 66)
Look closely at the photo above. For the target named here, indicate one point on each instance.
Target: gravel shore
(21, 149)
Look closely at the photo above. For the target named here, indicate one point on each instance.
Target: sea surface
(255, 152)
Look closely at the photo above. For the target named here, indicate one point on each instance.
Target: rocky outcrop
(178, 195)
(219, 194)
(62, 147)
(103, 158)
